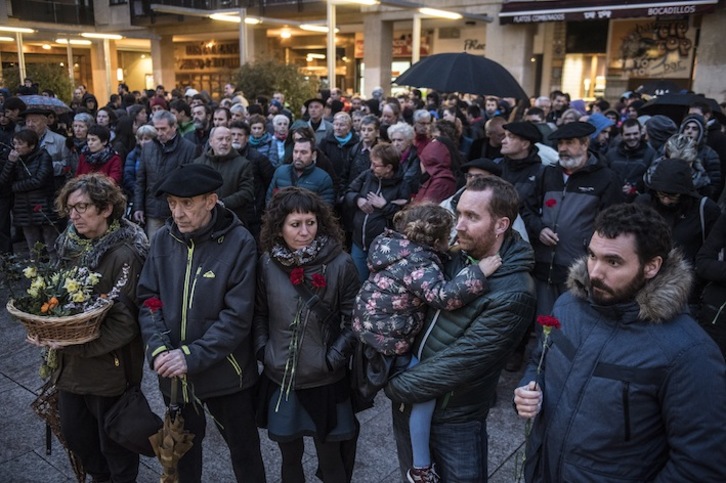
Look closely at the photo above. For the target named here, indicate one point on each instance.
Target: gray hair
(85, 118)
(146, 130)
(682, 147)
(164, 116)
(402, 128)
(279, 117)
(238, 109)
(421, 115)
(343, 115)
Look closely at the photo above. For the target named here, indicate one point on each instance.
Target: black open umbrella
(675, 106)
(36, 101)
(464, 73)
(659, 87)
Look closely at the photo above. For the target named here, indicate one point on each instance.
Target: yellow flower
(71, 285)
(33, 292)
(93, 279)
(30, 272)
(38, 283)
(55, 278)
(79, 297)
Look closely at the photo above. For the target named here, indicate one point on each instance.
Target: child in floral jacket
(406, 276)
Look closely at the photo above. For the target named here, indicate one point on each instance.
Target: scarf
(99, 157)
(300, 257)
(76, 247)
(345, 139)
(264, 139)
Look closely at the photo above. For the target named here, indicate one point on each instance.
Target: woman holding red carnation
(306, 287)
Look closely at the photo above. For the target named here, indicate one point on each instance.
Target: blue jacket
(312, 178)
(631, 392)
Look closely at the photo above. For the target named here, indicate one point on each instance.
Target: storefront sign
(206, 56)
(402, 46)
(651, 49)
(564, 10)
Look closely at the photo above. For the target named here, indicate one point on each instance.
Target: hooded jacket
(463, 351)
(340, 157)
(630, 165)
(568, 208)
(312, 178)
(236, 193)
(367, 226)
(97, 367)
(708, 157)
(632, 391)
(522, 173)
(206, 283)
(405, 278)
(440, 182)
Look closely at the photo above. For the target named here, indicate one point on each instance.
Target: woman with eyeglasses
(92, 376)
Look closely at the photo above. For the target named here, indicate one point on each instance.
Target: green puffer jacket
(463, 351)
(97, 367)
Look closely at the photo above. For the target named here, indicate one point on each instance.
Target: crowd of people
(428, 230)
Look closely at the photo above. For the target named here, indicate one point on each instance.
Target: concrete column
(710, 69)
(511, 46)
(330, 45)
(162, 61)
(98, 74)
(378, 53)
(243, 52)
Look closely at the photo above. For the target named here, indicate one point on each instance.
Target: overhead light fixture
(235, 18)
(355, 2)
(7, 39)
(435, 12)
(316, 56)
(46, 47)
(20, 30)
(312, 27)
(285, 33)
(96, 35)
(73, 41)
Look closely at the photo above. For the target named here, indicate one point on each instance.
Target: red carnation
(548, 321)
(153, 304)
(297, 276)
(550, 202)
(318, 281)
(37, 208)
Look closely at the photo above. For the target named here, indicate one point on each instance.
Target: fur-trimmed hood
(661, 299)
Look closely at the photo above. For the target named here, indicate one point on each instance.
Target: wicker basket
(63, 331)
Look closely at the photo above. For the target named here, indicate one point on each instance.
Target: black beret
(525, 130)
(485, 164)
(190, 180)
(573, 130)
(314, 99)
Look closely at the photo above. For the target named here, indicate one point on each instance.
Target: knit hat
(659, 128)
(673, 175)
(158, 101)
(600, 122)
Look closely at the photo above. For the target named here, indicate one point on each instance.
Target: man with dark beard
(631, 388)
(562, 207)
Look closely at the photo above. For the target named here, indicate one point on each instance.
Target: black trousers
(235, 414)
(6, 243)
(82, 427)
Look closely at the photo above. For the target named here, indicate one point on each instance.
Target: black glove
(340, 350)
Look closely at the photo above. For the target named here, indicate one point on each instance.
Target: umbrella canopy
(675, 106)
(462, 72)
(172, 441)
(658, 87)
(53, 104)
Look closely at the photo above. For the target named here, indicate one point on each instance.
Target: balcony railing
(80, 13)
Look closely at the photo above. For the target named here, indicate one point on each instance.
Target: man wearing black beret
(201, 270)
(521, 162)
(315, 108)
(560, 212)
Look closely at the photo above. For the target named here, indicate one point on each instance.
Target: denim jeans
(459, 449)
(360, 260)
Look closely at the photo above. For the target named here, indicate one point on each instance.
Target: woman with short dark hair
(98, 156)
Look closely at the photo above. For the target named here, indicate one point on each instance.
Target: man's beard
(570, 163)
(617, 296)
(236, 145)
(200, 125)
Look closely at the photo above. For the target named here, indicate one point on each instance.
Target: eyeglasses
(79, 207)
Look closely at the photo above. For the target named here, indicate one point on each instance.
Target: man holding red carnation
(629, 387)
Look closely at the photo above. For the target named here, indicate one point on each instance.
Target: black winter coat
(30, 179)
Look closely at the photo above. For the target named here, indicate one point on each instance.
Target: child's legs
(420, 427)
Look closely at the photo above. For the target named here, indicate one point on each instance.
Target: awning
(515, 12)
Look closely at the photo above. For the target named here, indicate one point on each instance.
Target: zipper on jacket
(185, 295)
(116, 362)
(626, 409)
(236, 367)
(194, 286)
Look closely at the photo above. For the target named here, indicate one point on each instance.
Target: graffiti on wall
(652, 48)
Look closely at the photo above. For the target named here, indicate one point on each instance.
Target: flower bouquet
(59, 307)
